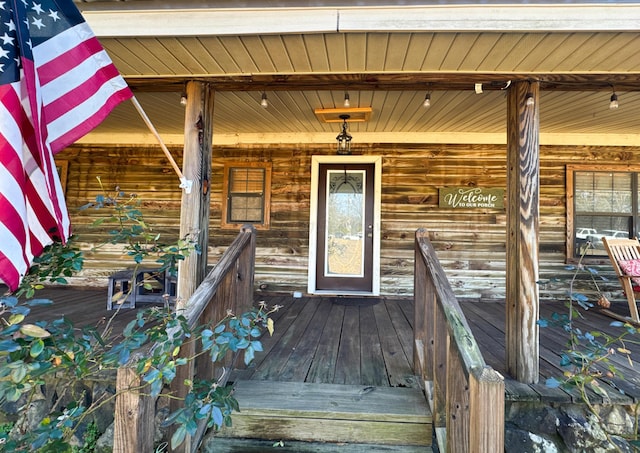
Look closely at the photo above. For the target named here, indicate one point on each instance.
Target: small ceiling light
(613, 103)
(263, 102)
(183, 99)
(529, 99)
(344, 138)
(478, 88)
(347, 103)
(427, 101)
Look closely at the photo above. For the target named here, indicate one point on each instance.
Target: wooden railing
(228, 287)
(466, 395)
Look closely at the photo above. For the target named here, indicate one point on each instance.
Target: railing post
(466, 395)
(420, 357)
(486, 420)
(133, 433)
(457, 403)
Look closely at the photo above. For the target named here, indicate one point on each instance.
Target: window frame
(570, 188)
(266, 197)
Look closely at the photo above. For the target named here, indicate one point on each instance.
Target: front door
(345, 227)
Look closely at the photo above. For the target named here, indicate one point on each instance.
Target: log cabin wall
(469, 242)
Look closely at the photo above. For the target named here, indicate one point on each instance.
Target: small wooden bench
(158, 284)
(625, 255)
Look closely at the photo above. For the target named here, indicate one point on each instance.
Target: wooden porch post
(523, 197)
(196, 166)
(194, 216)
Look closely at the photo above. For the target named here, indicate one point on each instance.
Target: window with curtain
(605, 203)
(246, 195)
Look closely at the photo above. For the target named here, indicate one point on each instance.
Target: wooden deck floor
(83, 306)
(338, 340)
(487, 321)
(368, 341)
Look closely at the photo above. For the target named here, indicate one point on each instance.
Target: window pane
(245, 208)
(602, 192)
(247, 180)
(590, 229)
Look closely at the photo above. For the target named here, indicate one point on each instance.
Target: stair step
(221, 445)
(330, 413)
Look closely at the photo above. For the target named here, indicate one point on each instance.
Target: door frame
(313, 220)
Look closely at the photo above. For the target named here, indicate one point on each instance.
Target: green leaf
(39, 302)
(178, 437)
(9, 346)
(13, 394)
(248, 355)
(32, 330)
(16, 318)
(19, 373)
(152, 375)
(552, 383)
(192, 427)
(36, 348)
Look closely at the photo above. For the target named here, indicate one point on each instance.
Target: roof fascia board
(205, 22)
(499, 18)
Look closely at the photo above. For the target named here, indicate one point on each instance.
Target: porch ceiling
(307, 66)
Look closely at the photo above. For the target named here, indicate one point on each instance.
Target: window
(246, 194)
(602, 201)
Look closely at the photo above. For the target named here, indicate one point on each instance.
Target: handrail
(466, 395)
(228, 287)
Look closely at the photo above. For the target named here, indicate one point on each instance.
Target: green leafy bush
(37, 355)
(587, 357)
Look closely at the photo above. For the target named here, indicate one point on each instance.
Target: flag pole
(185, 183)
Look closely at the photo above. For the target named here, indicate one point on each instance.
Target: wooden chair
(624, 250)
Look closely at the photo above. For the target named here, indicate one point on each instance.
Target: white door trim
(313, 216)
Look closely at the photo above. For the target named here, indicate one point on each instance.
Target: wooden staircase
(332, 413)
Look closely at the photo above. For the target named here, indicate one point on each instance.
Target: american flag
(56, 84)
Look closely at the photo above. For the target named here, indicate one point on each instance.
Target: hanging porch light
(344, 138)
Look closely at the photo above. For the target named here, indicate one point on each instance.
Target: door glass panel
(344, 254)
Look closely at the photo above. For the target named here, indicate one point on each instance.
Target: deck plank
(372, 368)
(401, 325)
(399, 369)
(323, 368)
(301, 358)
(282, 318)
(271, 367)
(348, 361)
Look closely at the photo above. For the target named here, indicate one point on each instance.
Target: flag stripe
(11, 220)
(79, 94)
(9, 271)
(70, 38)
(66, 55)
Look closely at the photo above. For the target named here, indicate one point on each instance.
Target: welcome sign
(475, 197)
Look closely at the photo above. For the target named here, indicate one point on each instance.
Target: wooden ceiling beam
(391, 82)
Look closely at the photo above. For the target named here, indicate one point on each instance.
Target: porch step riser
(282, 427)
(330, 413)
